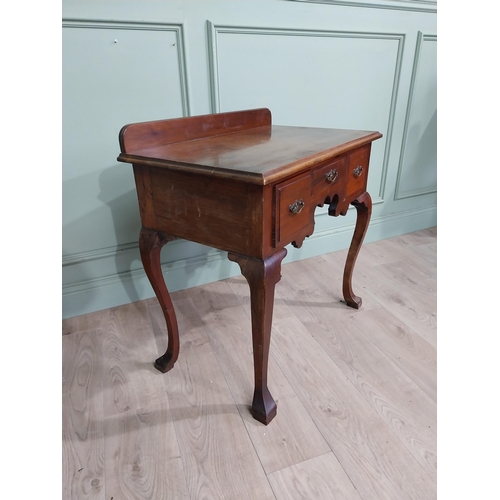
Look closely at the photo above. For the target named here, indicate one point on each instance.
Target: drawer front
(357, 172)
(330, 179)
(292, 208)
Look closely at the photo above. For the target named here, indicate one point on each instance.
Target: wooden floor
(356, 389)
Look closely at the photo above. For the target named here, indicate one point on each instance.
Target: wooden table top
(258, 155)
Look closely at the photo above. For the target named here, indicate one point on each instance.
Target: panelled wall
(342, 64)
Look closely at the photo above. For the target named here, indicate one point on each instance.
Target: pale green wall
(362, 65)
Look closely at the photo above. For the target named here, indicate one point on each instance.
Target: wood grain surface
(293, 437)
(241, 145)
(319, 477)
(143, 459)
(83, 417)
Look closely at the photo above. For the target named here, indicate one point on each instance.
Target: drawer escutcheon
(357, 171)
(332, 175)
(297, 206)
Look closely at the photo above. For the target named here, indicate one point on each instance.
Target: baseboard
(118, 289)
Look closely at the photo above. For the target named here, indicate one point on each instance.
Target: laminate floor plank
(356, 389)
(376, 461)
(406, 274)
(320, 283)
(417, 309)
(130, 380)
(143, 460)
(408, 350)
(83, 323)
(82, 418)
(422, 256)
(293, 437)
(422, 237)
(218, 457)
(319, 478)
(413, 306)
(427, 254)
(399, 402)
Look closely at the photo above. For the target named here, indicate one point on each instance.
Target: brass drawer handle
(297, 206)
(332, 175)
(357, 171)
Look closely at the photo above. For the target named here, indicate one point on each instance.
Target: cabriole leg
(262, 276)
(150, 245)
(363, 206)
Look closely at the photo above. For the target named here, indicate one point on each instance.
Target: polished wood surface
(260, 155)
(140, 136)
(356, 388)
(236, 182)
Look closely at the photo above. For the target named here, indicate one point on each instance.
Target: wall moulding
(177, 29)
(76, 263)
(399, 193)
(101, 253)
(411, 5)
(111, 291)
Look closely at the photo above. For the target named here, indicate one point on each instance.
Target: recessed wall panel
(417, 173)
(112, 75)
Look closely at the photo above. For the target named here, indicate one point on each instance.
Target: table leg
(150, 245)
(363, 206)
(262, 276)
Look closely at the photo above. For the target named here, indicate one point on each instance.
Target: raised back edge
(144, 135)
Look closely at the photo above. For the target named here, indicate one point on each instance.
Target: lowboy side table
(236, 182)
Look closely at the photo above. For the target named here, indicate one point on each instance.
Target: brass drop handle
(357, 171)
(332, 175)
(297, 206)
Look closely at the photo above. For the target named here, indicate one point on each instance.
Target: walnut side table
(236, 182)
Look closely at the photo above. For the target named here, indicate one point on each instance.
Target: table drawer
(292, 208)
(357, 173)
(330, 179)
